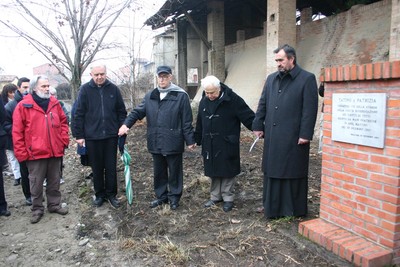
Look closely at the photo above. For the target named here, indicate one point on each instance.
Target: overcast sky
(18, 57)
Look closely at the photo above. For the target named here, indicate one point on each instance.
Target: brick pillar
(394, 48)
(360, 184)
(306, 15)
(240, 36)
(280, 28)
(216, 35)
(181, 68)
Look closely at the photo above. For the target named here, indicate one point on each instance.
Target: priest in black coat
(285, 117)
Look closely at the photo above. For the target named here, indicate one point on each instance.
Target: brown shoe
(36, 218)
(61, 211)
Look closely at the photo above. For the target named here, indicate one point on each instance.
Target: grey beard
(43, 95)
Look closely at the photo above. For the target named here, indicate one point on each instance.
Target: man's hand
(303, 141)
(81, 142)
(192, 147)
(258, 133)
(123, 130)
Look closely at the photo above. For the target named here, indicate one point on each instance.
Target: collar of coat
(224, 89)
(172, 95)
(292, 73)
(28, 102)
(92, 84)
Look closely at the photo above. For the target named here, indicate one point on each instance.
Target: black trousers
(103, 160)
(25, 179)
(3, 202)
(168, 177)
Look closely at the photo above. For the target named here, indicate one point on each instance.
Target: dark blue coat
(169, 121)
(218, 132)
(100, 111)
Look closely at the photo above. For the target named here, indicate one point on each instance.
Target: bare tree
(68, 33)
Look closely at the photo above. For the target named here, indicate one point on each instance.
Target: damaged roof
(174, 9)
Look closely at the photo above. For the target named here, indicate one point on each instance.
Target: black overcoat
(218, 132)
(287, 111)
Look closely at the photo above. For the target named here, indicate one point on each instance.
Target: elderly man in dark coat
(169, 126)
(221, 112)
(286, 116)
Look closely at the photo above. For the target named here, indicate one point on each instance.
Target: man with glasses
(40, 136)
(99, 113)
(23, 87)
(169, 124)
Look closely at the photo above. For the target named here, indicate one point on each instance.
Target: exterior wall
(245, 68)
(358, 36)
(394, 53)
(164, 50)
(360, 185)
(216, 35)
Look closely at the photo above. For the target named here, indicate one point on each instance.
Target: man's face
(212, 92)
(24, 88)
(98, 75)
(164, 79)
(43, 88)
(282, 62)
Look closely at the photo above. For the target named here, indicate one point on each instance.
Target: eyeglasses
(165, 76)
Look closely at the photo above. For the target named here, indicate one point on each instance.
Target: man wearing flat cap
(169, 125)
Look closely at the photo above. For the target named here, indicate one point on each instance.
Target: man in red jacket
(40, 135)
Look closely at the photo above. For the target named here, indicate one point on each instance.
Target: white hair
(34, 81)
(210, 81)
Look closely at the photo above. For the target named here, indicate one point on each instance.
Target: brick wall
(360, 185)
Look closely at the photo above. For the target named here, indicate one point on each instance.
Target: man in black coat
(99, 114)
(221, 112)
(3, 159)
(285, 117)
(169, 125)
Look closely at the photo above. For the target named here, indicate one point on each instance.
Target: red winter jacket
(36, 134)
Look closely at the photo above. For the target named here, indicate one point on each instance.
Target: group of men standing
(285, 118)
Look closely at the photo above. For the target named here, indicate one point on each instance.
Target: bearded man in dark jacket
(169, 125)
(99, 114)
(285, 117)
(221, 112)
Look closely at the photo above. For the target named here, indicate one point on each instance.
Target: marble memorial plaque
(359, 118)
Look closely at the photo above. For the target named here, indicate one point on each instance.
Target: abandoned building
(355, 50)
(234, 40)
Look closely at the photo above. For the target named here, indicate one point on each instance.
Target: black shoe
(90, 176)
(28, 201)
(5, 213)
(211, 203)
(157, 202)
(98, 202)
(174, 205)
(228, 205)
(17, 181)
(114, 202)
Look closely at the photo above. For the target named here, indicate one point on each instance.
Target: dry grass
(172, 253)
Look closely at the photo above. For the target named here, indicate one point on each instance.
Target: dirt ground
(139, 236)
